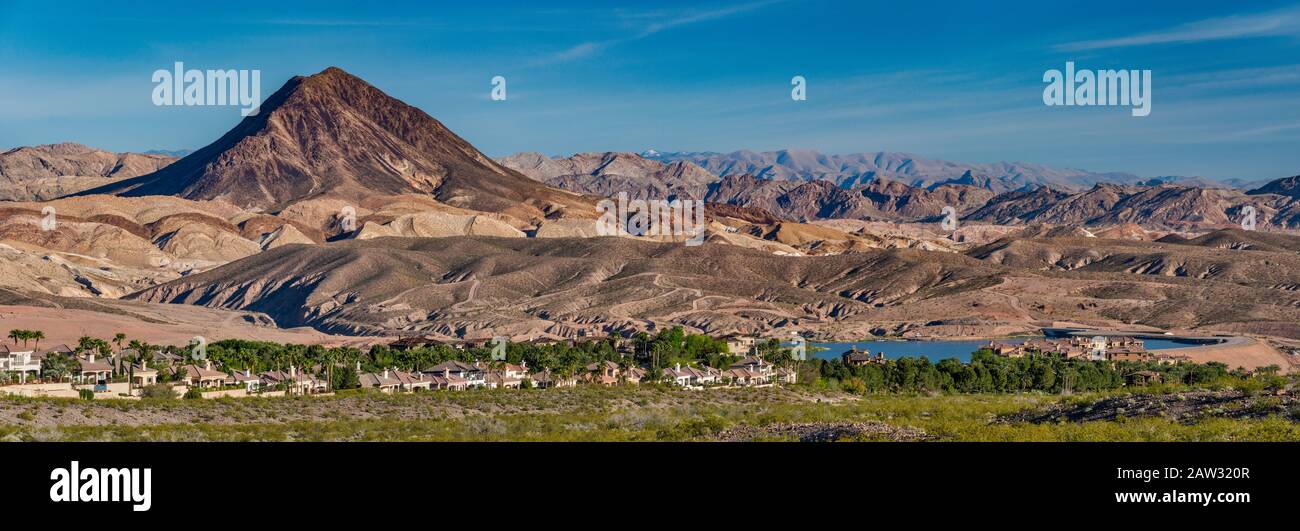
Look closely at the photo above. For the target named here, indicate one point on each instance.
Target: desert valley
(341, 216)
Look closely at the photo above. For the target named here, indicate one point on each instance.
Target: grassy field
(648, 413)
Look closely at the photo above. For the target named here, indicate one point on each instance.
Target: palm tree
(146, 355)
(118, 338)
(328, 359)
(624, 365)
(34, 334)
(15, 335)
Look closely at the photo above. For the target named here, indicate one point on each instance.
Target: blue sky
(959, 81)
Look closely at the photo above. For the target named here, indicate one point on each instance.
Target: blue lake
(940, 350)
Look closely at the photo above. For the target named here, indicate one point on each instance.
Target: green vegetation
(633, 413)
(989, 373)
(945, 401)
(17, 335)
(664, 349)
(162, 391)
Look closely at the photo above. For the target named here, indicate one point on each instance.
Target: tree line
(987, 372)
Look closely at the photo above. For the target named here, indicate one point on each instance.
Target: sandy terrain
(1245, 352)
(163, 324)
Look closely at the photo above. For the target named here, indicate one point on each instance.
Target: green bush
(193, 394)
(157, 391)
(86, 394)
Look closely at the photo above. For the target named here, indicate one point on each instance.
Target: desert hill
(475, 286)
(39, 173)
(1287, 186)
(333, 135)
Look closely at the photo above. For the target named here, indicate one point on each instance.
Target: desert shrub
(86, 394)
(157, 391)
(193, 394)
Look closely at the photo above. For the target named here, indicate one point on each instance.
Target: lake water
(940, 350)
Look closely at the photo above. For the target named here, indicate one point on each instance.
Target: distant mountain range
(799, 185)
(53, 170)
(855, 169)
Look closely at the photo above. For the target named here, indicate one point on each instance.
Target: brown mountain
(854, 169)
(607, 174)
(1165, 206)
(45, 172)
(816, 199)
(1287, 186)
(333, 135)
(477, 286)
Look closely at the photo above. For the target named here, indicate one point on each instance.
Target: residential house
(121, 357)
(384, 381)
(202, 376)
(413, 381)
(691, 377)
(1008, 350)
(1171, 359)
(167, 359)
(603, 373)
(754, 363)
(446, 382)
(1143, 378)
(57, 349)
(294, 381)
(142, 375)
(705, 375)
(516, 371)
(857, 357)
(20, 362)
(474, 375)
(251, 382)
(742, 377)
(500, 380)
(1129, 354)
(739, 345)
(547, 379)
(92, 371)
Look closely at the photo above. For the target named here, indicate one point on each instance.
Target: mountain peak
(1287, 186)
(333, 134)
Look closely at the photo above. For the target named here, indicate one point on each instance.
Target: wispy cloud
(1270, 24)
(1237, 78)
(647, 24)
